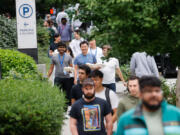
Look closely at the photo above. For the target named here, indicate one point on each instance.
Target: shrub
(30, 108)
(42, 34)
(7, 33)
(18, 62)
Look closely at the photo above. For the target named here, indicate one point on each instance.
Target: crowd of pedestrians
(86, 74)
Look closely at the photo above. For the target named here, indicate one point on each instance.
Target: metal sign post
(26, 27)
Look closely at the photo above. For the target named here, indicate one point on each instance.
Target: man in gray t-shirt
(62, 78)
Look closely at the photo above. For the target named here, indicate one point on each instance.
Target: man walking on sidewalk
(60, 61)
(153, 116)
(131, 99)
(105, 93)
(88, 113)
(76, 91)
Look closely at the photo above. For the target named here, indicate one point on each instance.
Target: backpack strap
(107, 96)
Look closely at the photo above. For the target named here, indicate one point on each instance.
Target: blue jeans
(111, 86)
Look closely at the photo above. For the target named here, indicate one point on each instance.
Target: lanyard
(95, 52)
(61, 61)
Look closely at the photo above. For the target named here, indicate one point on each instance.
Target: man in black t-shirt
(76, 91)
(88, 113)
(54, 45)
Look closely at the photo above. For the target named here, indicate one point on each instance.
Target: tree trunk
(178, 90)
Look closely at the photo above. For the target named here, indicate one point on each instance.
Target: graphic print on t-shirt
(91, 117)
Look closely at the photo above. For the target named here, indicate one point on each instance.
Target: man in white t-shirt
(110, 68)
(94, 50)
(75, 43)
(104, 93)
(61, 15)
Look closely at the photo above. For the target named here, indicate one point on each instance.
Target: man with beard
(87, 114)
(153, 116)
(76, 91)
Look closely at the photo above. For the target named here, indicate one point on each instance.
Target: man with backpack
(105, 93)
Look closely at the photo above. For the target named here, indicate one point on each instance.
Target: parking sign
(26, 24)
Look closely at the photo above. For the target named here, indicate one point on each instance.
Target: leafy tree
(136, 25)
(43, 6)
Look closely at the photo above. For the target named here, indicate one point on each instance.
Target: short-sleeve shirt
(53, 46)
(90, 116)
(109, 70)
(60, 62)
(76, 91)
(97, 53)
(83, 59)
(112, 95)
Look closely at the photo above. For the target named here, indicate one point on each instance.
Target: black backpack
(108, 99)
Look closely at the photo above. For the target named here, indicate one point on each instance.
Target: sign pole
(26, 27)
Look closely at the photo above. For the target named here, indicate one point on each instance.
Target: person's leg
(67, 89)
(58, 82)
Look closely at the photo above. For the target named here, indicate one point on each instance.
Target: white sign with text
(26, 24)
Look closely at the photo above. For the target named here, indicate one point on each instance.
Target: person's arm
(50, 70)
(73, 100)
(114, 117)
(75, 73)
(73, 126)
(50, 53)
(70, 62)
(120, 110)
(57, 19)
(109, 124)
(118, 71)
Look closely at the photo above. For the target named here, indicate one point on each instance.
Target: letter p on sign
(25, 10)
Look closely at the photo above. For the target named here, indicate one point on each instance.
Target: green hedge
(8, 36)
(17, 63)
(30, 108)
(42, 34)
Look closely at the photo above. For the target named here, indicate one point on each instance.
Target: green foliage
(169, 92)
(30, 108)
(43, 6)
(43, 43)
(125, 69)
(135, 25)
(17, 64)
(42, 34)
(8, 36)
